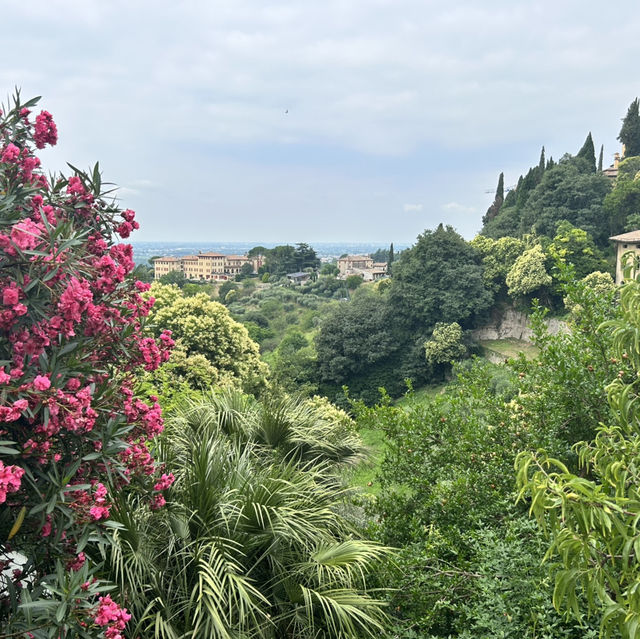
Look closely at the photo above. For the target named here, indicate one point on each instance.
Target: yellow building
(164, 265)
(627, 252)
(206, 266)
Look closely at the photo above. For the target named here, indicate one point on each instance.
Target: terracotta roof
(633, 236)
(237, 257)
(190, 257)
(212, 254)
(166, 259)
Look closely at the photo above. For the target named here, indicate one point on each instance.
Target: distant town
(218, 267)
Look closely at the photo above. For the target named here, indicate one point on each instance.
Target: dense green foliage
(592, 516)
(439, 279)
(213, 349)
(447, 494)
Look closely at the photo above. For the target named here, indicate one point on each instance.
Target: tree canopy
(439, 279)
(630, 132)
(204, 327)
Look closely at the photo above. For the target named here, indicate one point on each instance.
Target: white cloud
(456, 207)
(412, 207)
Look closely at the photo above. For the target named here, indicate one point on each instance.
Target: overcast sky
(294, 121)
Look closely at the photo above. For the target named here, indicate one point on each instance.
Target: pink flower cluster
(10, 477)
(46, 131)
(91, 506)
(129, 224)
(110, 614)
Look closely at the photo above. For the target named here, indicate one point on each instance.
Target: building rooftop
(167, 259)
(210, 254)
(633, 236)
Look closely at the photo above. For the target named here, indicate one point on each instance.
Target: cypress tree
(390, 259)
(630, 131)
(494, 209)
(588, 153)
(541, 164)
(600, 158)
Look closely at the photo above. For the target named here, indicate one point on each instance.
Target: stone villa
(361, 265)
(206, 266)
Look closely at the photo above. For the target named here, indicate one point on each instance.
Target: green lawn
(509, 347)
(364, 475)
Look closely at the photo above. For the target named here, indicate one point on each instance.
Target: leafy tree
(630, 132)
(246, 270)
(255, 544)
(353, 337)
(623, 202)
(445, 344)
(281, 260)
(173, 277)
(306, 257)
(439, 279)
(587, 154)
(353, 281)
(498, 256)
(568, 193)
(257, 250)
(576, 247)
(329, 268)
(205, 327)
(293, 363)
(72, 426)
(381, 255)
(528, 273)
(225, 288)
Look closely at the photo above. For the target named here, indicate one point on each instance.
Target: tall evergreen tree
(600, 158)
(498, 200)
(390, 259)
(630, 131)
(588, 153)
(541, 164)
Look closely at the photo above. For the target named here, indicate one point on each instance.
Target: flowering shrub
(72, 432)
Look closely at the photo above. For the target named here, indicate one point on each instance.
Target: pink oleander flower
(164, 482)
(45, 130)
(75, 186)
(26, 234)
(10, 479)
(41, 383)
(157, 502)
(77, 562)
(10, 154)
(10, 296)
(110, 614)
(99, 512)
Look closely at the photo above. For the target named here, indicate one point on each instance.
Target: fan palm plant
(252, 544)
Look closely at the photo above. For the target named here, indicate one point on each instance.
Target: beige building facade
(206, 266)
(627, 253)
